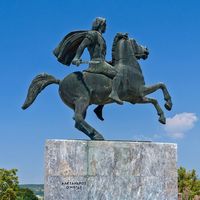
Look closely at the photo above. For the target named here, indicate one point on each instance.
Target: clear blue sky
(30, 30)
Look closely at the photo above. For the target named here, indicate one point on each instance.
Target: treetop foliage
(188, 183)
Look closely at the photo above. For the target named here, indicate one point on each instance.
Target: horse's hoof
(97, 136)
(168, 105)
(162, 120)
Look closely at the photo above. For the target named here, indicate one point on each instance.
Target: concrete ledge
(110, 170)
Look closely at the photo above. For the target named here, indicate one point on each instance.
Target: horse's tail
(37, 85)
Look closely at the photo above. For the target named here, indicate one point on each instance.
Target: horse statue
(79, 90)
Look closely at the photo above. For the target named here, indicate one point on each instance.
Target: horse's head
(139, 50)
(125, 48)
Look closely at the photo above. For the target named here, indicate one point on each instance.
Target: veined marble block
(110, 170)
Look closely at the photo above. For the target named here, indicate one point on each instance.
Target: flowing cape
(66, 50)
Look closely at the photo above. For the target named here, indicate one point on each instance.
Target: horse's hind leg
(81, 106)
(153, 88)
(157, 107)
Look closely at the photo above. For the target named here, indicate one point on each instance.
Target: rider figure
(96, 45)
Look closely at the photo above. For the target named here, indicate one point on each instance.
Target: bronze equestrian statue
(103, 82)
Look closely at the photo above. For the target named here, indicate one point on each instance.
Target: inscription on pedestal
(75, 185)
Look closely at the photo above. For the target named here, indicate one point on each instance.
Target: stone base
(110, 170)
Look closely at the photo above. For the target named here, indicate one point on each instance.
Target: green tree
(8, 184)
(9, 187)
(26, 194)
(188, 183)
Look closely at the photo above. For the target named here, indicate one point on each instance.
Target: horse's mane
(117, 37)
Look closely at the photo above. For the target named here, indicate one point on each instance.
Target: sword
(90, 62)
(86, 62)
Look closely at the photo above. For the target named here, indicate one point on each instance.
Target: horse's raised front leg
(150, 89)
(160, 113)
(81, 106)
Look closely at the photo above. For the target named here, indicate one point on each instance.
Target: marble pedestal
(110, 170)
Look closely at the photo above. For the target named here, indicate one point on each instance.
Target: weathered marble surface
(110, 170)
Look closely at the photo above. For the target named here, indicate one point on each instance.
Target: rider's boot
(98, 111)
(115, 85)
(114, 96)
